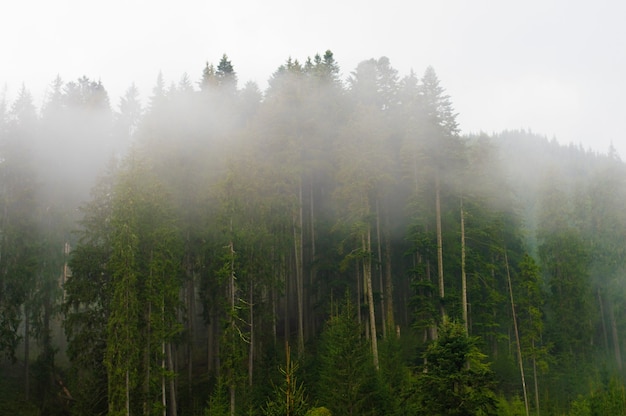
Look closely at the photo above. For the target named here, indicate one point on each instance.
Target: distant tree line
(326, 246)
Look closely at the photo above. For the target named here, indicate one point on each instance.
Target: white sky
(556, 67)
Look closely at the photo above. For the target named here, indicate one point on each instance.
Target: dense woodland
(326, 246)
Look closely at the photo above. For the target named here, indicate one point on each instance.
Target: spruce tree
(347, 382)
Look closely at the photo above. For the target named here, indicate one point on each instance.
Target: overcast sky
(556, 67)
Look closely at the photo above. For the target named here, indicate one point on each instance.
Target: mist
(223, 223)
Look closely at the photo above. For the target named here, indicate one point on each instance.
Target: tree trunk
(163, 368)
(26, 351)
(535, 380)
(517, 339)
(463, 275)
(170, 363)
(191, 295)
(367, 272)
(388, 276)
(313, 270)
(298, 243)
(146, 363)
(358, 293)
(603, 318)
(127, 381)
(251, 345)
(380, 270)
(439, 246)
(616, 347)
(232, 324)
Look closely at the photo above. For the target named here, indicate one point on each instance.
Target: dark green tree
(347, 382)
(289, 398)
(455, 379)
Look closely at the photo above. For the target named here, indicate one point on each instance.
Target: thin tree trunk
(274, 314)
(127, 392)
(26, 351)
(358, 293)
(251, 345)
(210, 340)
(535, 380)
(380, 270)
(313, 268)
(146, 363)
(191, 294)
(298, 243)
(367, 272)
(163, 368)
(463, 275)
(173, 405)
(232, 323)
(603, 318)
(439, 245)
(388, 276)
(517, 339)
(616, 347)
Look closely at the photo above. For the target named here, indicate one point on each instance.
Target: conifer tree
(455, 379)
(347, 378)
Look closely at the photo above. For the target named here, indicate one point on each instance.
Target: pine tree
(290, 398)
(347, 382)
(455, 379)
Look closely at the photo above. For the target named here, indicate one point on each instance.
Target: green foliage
(267, 201)
(319, 411)
(289, 398)
(513, 407)
(145, 269)
(565, 260)
(347, 379)
(609, 399)
(218, 404)
(455, 379)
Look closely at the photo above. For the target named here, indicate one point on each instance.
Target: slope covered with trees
(325, 246)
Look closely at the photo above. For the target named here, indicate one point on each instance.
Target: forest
(326, 246)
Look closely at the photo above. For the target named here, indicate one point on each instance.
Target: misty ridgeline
(326, 246)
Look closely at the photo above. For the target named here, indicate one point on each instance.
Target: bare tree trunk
(251, 345)
(517, 339)
(380, 270)
(26, 351)
(191, 295)
(439, 246)
(163, 368)
(127, 392)
(388, 276)
(367, 272)
(602, 316)
(358, 292)
(535, 380)
(232, 322)
(463, 275)
(170, 363)
(313, 267)
(146, 363)
(274, 314)
(616, 347)
(298, 245)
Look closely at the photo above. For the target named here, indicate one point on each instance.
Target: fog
(285, 199)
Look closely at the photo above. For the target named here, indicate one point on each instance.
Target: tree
(290, 399)
(19, 222)
(226, 75)
(441, 141)
(455, 379)
(347, 378)
(145, 280)
(531, 303)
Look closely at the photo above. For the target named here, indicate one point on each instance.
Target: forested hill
(328, 245)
